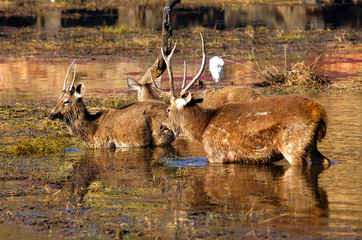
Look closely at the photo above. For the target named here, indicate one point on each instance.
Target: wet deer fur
(135, 125)
(260, 131)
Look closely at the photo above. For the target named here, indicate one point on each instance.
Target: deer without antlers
(135, 125)
(261, 131)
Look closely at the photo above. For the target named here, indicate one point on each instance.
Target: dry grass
(297, 75)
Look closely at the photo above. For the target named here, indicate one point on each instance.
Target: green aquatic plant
(27, 130)
(117, 30)
(40, 145)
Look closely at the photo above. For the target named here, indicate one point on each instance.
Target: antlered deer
(261, 131)
(135, 125)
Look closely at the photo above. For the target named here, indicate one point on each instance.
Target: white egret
(216, 65)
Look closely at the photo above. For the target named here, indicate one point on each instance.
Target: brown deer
(135, 125)
(261, 131)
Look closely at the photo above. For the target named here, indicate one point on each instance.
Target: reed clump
(297, 75)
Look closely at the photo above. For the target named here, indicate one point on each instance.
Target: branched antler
(198, 75)
(170, 74)
(167, 60)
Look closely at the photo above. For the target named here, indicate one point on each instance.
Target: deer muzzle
(52, 116)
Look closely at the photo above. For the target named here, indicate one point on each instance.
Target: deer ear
(198, 97)
(79, 90)
(133, 84)
(183, 100)
(187, 97)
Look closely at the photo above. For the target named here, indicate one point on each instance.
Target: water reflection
(129, 180)
(30, 78)
(266, 187)
(113, 168)
(310, 16)
(234, 186)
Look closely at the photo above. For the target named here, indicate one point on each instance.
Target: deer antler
(66, 77)
(198, 75)
(75, 71)
(169, 69)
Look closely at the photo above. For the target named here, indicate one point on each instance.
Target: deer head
(177, 104)
(67, 105)
(145, 91)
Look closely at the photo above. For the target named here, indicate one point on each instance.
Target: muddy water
(173, 192)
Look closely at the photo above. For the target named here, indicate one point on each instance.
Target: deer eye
(65, 103)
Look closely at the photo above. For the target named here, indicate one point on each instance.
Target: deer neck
(194, 122)
(82, 123)
(149, 94)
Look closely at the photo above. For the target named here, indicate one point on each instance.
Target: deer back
(136, 125)
(231, 94)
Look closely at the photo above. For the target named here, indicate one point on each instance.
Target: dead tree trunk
(160, 66)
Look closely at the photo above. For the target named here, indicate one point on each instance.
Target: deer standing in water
(135, 125)
(261, 131)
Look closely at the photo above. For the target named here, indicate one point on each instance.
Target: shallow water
(35, 79)
(173, 192)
